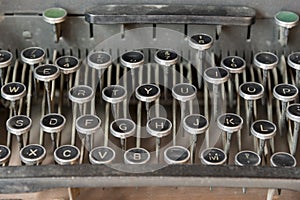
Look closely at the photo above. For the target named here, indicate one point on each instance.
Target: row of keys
(34, 154)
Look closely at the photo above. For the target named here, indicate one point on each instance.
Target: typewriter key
(87, 125)
(132, 60)
(114, 94)
(213, 156)
(136, 156)
(229, 123)
(47, 73)
(166, 58)
(147, 93)
(32, 56)
(176, 155)
(201, 42)
(81, 94)
(285, 20)
(266, 61)
(55, 16)
(100, 61)
(247, 158)
(32, 154)
(66, 155)
(159, 127)
(102, 155)
(195, 124)
(263, 130)
(251, 91)
(284, 93)
(4, 154)
(216, 76)
(13, 91)
(5, 61)
(19, 125)
(67, 64)
(234, 65)
(293, 113)
(53, 123)
(122, 128)
(283, 159)
(294, 62)
(184, 92)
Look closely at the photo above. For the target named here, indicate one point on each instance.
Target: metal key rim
(200, 47)
(32, 61)
(68, 70)
(170, 161)
(195, 131)
(99, 66)
(48, 129)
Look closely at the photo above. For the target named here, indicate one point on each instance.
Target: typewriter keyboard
(150, 106)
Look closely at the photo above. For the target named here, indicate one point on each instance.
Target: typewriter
(193, 94)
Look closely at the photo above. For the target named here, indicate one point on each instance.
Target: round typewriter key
(100, 61)
(132, 59)
(213, 156)
(102, 155)
(251, 91)
(5, 58)
(285, 20)
(195, 124)
(13, 91)
(247, 158)
(200, 42)
(19, 125)
(4, 154)
(216, 76)
(114, 94)
(53, 123)
(263, 130)
(283, 159)
(88, 125)
(166, 58)
(176, 155)
(122, 128)
(234, 64)
(136, 156)
(32, 154)
(68, 64)
(66, 155)
(294, 62)
(159, 127)
(81, 94)
(265, 61)
(229, 123)
(5, 61)
(284, 93)
(47, 73)
(33, 55)
(55, 16)
(147, 93)
(293, 113)
(184, 92)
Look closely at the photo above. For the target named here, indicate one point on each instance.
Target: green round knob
(286, 19)
(54, 15)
